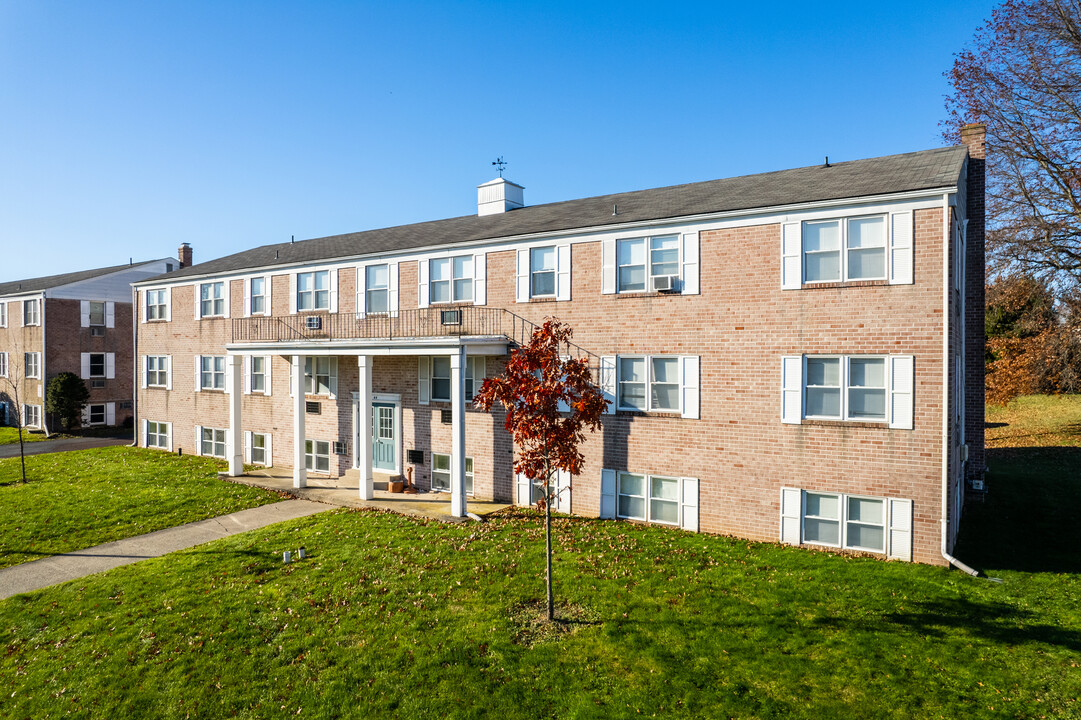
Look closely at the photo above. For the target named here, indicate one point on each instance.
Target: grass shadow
(1029, 520)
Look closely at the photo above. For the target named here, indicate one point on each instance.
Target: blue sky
(127, 128)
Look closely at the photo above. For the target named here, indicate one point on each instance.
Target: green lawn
(10, 435)
(400, 617)
(79, 499)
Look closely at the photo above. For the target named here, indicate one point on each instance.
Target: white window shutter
(688, 506)
(901, 248)
(85, 370)
(229, 378)
(292, 383)
(247, 297)
(424, 380)
(333, 377)
(563, 492)
(690, 270)
(900, 535)
(480, 279)
(143, 360)
(791, 256)
(198, 306)
(110, 314)
(523, 494)
(690, 386)
(198, 373)
(225, 287)
(362, 292)
(247, 446)
(392, 289)
(110, 413)
(268, 451)
(792, 389)
(110, 366)
(266, 374)
(141, 440)
(563, 272)
(168, 372)
(85, 419)
(169, 304)
(422, 283)
(267, 300)
(333, 280)
(292, 293)
(198, 439)
(608, 382)
(608, 494)
(521, 278)
(246, 372)
(84, 313)
(608, 266)
(141, 297)
(791, 515)
(902, 381)
(168, 435)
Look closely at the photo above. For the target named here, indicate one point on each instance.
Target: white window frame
(157, 305)
(215, 368)
(90, 410)
(31, 312)
(3, 364)
(157, 371)
(440, 359)
(454, 280)
(314, 452)
(90, 313)
(261, 297)
(844, 249)
(370, 289)
(534, 271)
(159, 437)
(650, 245)
(32, 365)
(449, 472)
(3, 314)
(90, 365)
(260, 374)
(649, 382)
(217, 299)
(845, 387)
(313, 373)
(314, 294)
(844, 520)
(31, 415)
(264, 449)
(475, 368)
(649, 498)
(217, 440)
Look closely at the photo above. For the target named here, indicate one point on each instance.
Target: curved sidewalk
(56, 569)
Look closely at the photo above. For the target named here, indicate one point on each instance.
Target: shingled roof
(924, 170)
(48, 282)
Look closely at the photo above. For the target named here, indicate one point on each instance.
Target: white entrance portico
(455, 348)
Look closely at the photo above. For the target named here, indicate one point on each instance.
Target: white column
(457, 429)
(235, 382)
(300, 474)
(364, 427)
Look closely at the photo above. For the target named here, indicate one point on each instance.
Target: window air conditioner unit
(313, 322)
(664, 283)
(450, 317)
(97, 331)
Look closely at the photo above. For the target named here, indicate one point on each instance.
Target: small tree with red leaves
(534, 385)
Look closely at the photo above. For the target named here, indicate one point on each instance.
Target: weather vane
(500, 163)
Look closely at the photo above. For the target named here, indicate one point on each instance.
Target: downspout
(135, 384)
(944, 520)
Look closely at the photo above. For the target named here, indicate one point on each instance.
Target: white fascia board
(36, 295)
(917, 199)
(475, 345)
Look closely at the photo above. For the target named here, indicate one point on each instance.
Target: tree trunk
(548, 535)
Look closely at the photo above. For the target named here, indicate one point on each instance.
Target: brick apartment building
(77, 322)
(792, 355)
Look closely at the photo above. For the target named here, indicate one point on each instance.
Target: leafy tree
(66, 396)
(15, 382)
(533, 385)
(1022, 79)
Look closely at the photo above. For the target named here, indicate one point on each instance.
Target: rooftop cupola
(499, 196)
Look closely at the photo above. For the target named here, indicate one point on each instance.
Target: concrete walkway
(80, 563)
(63, 445)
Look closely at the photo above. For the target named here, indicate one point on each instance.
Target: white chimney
(499, 196)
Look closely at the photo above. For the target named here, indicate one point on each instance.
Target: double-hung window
(847, 521)
(32, 365)
(157, 304)
(31, 312)
(3, 314)
(258, 449)
(649, 383)
(844, 250)
(157, 370)
(31, 416)
(212, 299)
(377, 288)
(212, 372)
(648, 497)
(313, 290)
(451, 279)
(441, 378)
(640, 260)
(441, 473)
(474, 375)
(846, 388)
(97, 365)
(320, 375)
(258, 374)
(212, 442)
(157, 435)
(542, 272)
(97, 314)
(3, 364)
(95, 414)
(317, 455)
(257, 296)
